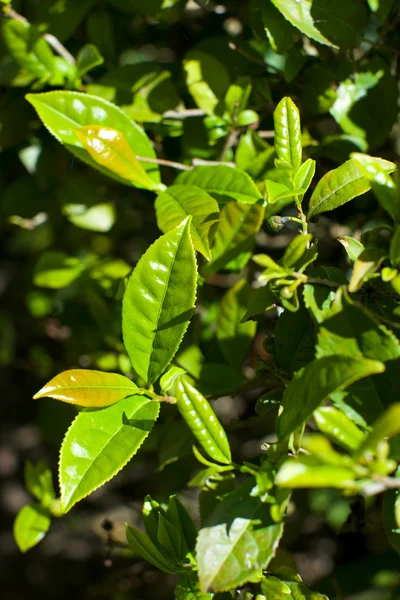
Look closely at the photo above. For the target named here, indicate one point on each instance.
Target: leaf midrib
(332, 193)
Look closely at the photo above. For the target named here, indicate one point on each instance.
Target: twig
(166, 163)
(266, 134)
(181, 167)
(49, 37)
(184, 114)
(381, 485)
(322, 281)
(233, 135)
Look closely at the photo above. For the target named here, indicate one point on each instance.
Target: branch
(184, 114)
(381, 485)
(180, 166)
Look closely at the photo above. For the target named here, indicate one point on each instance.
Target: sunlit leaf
(31, 525)
(83, 387)
(155, 313)
(99, 443)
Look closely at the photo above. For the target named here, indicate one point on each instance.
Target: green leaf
(296, 249)
(99, 443)
(338, 427)
(28, 48)
(224, 181)
(288, 133)
(391, 511)
(352, 331)
(39, 482)
(304, 175)
(83, 387)
(235, 337)
(268, 401)
(56, 270)
(169, 538)
(367, 263)
(279, 31)
(64, 112)
(395, 248)
(316, 382)
(386, 426)
(88, 58)
(202, 421)
(305, 471)
(259, 300)
(177, 514)
(294, 340)
(336, 188)
(188, 589)
(109, 149)
(155, 313)
(298, 13)
(237, 541)
(179, 201)
(343, 23)
(31, 525)
(237, 228)
(352, 246)
(237, 96)
(207, 80)
(140, 543)
(377, 171)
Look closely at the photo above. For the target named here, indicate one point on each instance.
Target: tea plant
(325, 377)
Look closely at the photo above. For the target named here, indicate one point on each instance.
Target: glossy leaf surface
(224, 181)
(237, 541)
(63, 112)
(298, 13)
(313, 385)
(155, 312)
(174, 205)
(288, 133)
(202, 421)
(142, 545)
(337, 187)
(109, 149)
(83, 387)
(100, 442)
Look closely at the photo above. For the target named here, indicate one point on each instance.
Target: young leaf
(188, 589)
(39, 481)
(296, 249)
(352, 246)
(314, 384)
(109, 149)
(169, 538)
(338, 427)
(206, 78)
(305, 174)
(88, 58)
(377, 171)
(237, 228)
(367, 263)
(307, 472)
(386, 426)
(155, 313)
(179, 201)
(298, 13)
(56, 270)
(31, 525)
(64, 112)
(177, 514)
(259, 300)
(142, 545)
(84, 387)
(99, 443)
(224, 181)
(202, 421)
(337, 187)
(234, 337)
(237, 541)
(28, 48)
(288, 133)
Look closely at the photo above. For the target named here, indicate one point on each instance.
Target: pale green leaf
(62, 112)
(31, 525)
(386, 426)
(56, 270)
(316, 382)
(367, 263)
(237, 541)
(377, 171)
(307, 472)
(207, 80)
(88, 58)
(28, 48)
(39, 482)
(235, 337)
(337, 187)
(179, 201)
(99, 217)
(288, 133)
(352, 246)
(224, 181)
(84, 387)
(304, 175)
(296, 249)
(338, 427)
(99, 443)
(155, 312)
